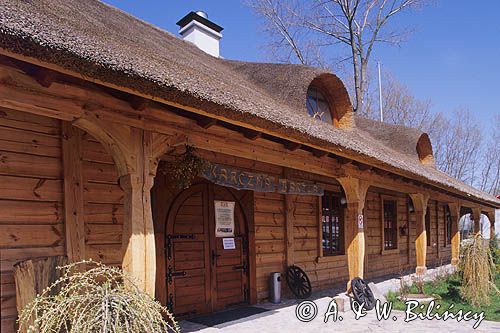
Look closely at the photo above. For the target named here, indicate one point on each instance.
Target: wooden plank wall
(327, 272)
(103, 204)
(269, 220)
(445, 249)
(432, 250)
(31, 198)
(376, 263)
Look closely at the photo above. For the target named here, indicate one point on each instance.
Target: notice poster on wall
(228, 244)
(224, 218)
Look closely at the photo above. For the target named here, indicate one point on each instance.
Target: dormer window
(317, 105)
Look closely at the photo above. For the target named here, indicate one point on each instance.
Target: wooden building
(94, 107)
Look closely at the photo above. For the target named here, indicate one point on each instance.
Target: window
(317, 106)
(448, 224)
(428, 225)
(333, 225)
(390, 225)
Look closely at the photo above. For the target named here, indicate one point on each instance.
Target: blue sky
(452, 57)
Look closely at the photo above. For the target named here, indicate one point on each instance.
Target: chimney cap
(201, 17)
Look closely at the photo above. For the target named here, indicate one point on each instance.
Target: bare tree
(457, 147)
(357, 25)
(490, 174)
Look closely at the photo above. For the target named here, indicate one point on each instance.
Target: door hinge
(246, 292)
(171, 274)
(169, 243)
(170, 304)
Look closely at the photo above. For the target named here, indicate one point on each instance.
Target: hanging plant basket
(184, 168)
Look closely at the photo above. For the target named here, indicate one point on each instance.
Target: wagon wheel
(362, 293)
(298, 282)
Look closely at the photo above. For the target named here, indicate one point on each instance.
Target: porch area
(282, 317)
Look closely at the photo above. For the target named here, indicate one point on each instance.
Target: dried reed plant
(477, 269)
(95, 299)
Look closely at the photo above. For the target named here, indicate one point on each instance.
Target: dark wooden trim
(319, 153)
(250, 134)
(205, 122)
(292, 146)
(138, 103)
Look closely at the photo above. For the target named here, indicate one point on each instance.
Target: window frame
(319, 90)
(394, 199)
(447, 228)
(341, 226)
(428, 221)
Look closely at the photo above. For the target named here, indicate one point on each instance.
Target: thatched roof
(106, 44)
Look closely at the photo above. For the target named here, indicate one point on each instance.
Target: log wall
(103, 204)
(379, 262)
(31, 198)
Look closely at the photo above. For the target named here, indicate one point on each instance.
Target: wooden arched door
(202, 276)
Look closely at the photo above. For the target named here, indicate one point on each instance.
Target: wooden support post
(73, 193)
(136, 154)
(455, 234)
(355, 191)
(492, 223)
(476, 213)
(138, 234)
(139, 259)
(420, 201)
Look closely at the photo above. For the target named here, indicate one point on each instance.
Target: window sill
(338, 257)
(391, 251)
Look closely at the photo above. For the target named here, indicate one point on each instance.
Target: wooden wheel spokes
(298, 282)
(362, 293)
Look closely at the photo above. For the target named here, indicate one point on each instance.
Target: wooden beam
(364, 167)
(138, 103)
(251, 134)
(206, 122)
(319, 153)
(73, 192)
(292, 146)
(343, 160)
(454, 208)
(476, 213)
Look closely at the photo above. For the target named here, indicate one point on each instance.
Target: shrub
(495, 252)
(477, 269)
(95, 299)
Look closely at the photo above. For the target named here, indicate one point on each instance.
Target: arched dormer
(294, 85)
(327, 100)
(424, 150)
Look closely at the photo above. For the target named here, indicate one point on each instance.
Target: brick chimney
(196, 28)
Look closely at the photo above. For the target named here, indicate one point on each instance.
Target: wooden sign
(286, 186)
(238, 179)
(224, 218)
(260, 182)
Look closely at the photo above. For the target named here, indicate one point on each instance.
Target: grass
(447, 292)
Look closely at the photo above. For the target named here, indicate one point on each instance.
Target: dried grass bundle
(95, 300)
(477, 268)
